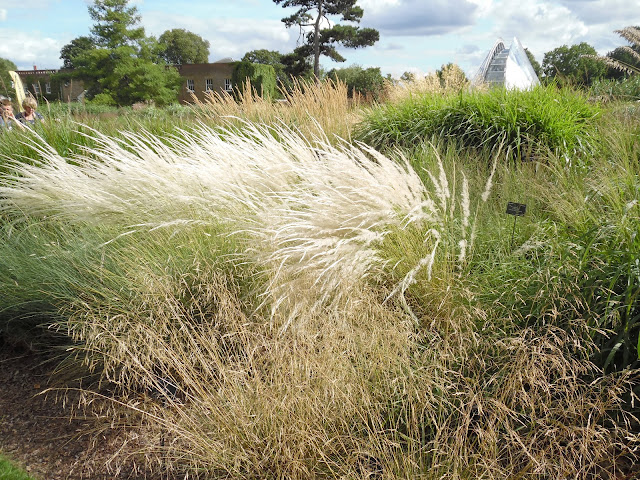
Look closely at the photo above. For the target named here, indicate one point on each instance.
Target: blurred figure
(29, 115)
(7, 118)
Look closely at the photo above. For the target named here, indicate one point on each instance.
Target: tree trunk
(316, 42)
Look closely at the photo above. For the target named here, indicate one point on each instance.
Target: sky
(417, 36)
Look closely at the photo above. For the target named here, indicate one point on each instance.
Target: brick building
(198, 78)
(42, 83)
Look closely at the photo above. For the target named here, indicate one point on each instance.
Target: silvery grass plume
(439, 210)
(311, 213)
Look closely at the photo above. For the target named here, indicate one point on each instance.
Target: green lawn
(9, 471)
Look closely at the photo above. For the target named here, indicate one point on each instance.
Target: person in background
(29, 115)
(7, 118)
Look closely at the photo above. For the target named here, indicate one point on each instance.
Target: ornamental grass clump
(530, 123)
(314, 108)
(450, 80)
(260, 304)
(309, 214)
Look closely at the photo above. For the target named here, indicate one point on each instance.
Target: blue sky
(415, 35)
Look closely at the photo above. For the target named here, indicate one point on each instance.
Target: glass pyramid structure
(508, 67)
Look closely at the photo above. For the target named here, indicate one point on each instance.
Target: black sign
(517, 209)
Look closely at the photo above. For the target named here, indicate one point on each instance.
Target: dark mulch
(43, 433)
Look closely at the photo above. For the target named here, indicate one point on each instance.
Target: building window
(47, 88)
(191, 85)
(227, 84)
(209, 84)
(36, 88)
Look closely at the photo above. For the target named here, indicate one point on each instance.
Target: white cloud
(417, 17)
(599, 12)
(540, 25)
(228, 37)
(3, 14)
(27, 49)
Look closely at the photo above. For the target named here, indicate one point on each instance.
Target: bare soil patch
(44, 435)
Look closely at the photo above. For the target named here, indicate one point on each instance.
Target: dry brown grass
(314, 108)
(223, 386)
(363, 393)
(451, 80)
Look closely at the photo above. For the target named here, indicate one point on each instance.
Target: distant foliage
(450, 79)
(74, 49)
(367, 82)
(261, 77)
(573, 65)
(180, 46)
(284, 76)
(5, 80)
(627, 89)
(124, 68)
(534, 63)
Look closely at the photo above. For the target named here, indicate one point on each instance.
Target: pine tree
(125, 67)
(322, 41)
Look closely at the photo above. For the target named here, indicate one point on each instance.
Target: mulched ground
(37, 430)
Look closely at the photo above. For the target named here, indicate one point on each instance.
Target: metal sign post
(517, 210)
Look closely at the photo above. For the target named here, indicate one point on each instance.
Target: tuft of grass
(314, 108)
(451, 80)
(529, 123)
(8, 471)
(272, 305)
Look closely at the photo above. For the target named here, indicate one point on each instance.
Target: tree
(115, 23)
(6, 66)
(408, 77)
(74, 49)
(451, 76)
(180, 46)
(534, 63)
(368, 82)
(298, 66)
(574, 65)
(124, 67)
(323, 41)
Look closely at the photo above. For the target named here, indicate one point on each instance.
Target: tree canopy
(534, 63)
(575, 64)
(5, 80)
(75, 48)
(178, 46)
(321, 40)
(367, 82)
(124, 67)
(115, 23)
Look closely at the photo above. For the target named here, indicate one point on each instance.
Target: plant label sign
(516, 209)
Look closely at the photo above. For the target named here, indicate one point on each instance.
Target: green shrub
(367, 82)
